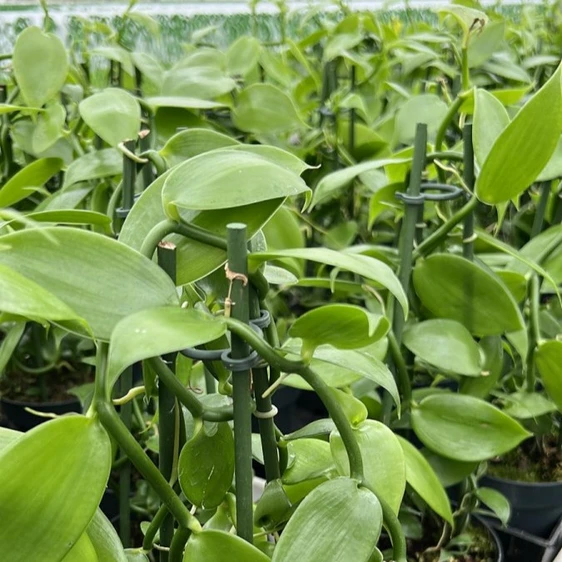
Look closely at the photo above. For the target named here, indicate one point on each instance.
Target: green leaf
(194, 259)
(157, 331)
(265, 109)
(343, 326)
(527, 405)
(117, 54)
(31, 178)
(210, 178)
(449, 472)
(217, 545)
(464, 16)
(553, 168)
(192, 142)
(330, 185)
(7, 437)
(6, 108)
(206, 465)
(342, 367)
(82, 551)
(114, 115)
(497, 502)
(534, 134)
(24, 297)
(421, 476)
(465, 428)
(493, 355)
(483, 45)
(182, 102)
(40, 65)
(243, 55)
(327, 523)
(100, 279)
(49, 127)
(423, 108)
(490, 119)
(308, 459)
(70, 216)
(548, 358)
(383, 460)
(445, 344)
(355, 411)
(104, 163)
(105, 539)
(49, 494)
(367, 267)
(12, 336)
(452, 287)
(199, 82)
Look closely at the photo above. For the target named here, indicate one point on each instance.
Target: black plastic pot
(536, 507)
(18, 418)
(520, 546)
(500, 557)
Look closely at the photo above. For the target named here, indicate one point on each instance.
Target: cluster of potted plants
(369, 215)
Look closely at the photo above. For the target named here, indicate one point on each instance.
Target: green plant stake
(168, 412)
(238, 302)
(265, 411)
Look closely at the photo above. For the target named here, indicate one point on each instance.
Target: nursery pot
(536, 507)
(19, 418)
(500, 556)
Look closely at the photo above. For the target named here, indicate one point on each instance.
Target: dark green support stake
(413, 200)
(167, 409)
(238, 307)
(468, 176)
(265, 411)
(126, 379)
(352, 112)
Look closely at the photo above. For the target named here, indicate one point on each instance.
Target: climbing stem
(534, 330)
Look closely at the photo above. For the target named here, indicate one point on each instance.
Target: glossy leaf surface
(548, 358)
(383, 460)
(465, 428)
(99, 278)
(337, 521)
(445, 344)
(453, 287)
(218, 545)
(157, 331)
(49, 494)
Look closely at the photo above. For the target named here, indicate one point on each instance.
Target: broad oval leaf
(192, 142)
(82, 551)
(243, 55)
(29, 179)
(308, 459)
(453, 287)
(445, 344)
(40, 65)
(465, 428)
(104, 163)
(105, 540)
(217, 545)
(100, 279)
(342, 367)
(225, 179)
(206, 465)
(423, 108)
(49, 494)
(421, 476)
(266, 109)
(23, 297)
(330, 185)
(496, 501)
(366, 266)
(114, 115)
(343, 326)
(327, 523)
(490, 119)
(383, 460)
(194, 259)
(157, 331)
(533, 134)
(548, 358)
(49, 127)
(449, 471)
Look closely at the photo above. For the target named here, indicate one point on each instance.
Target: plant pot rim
(525, 484)
(35, 405)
